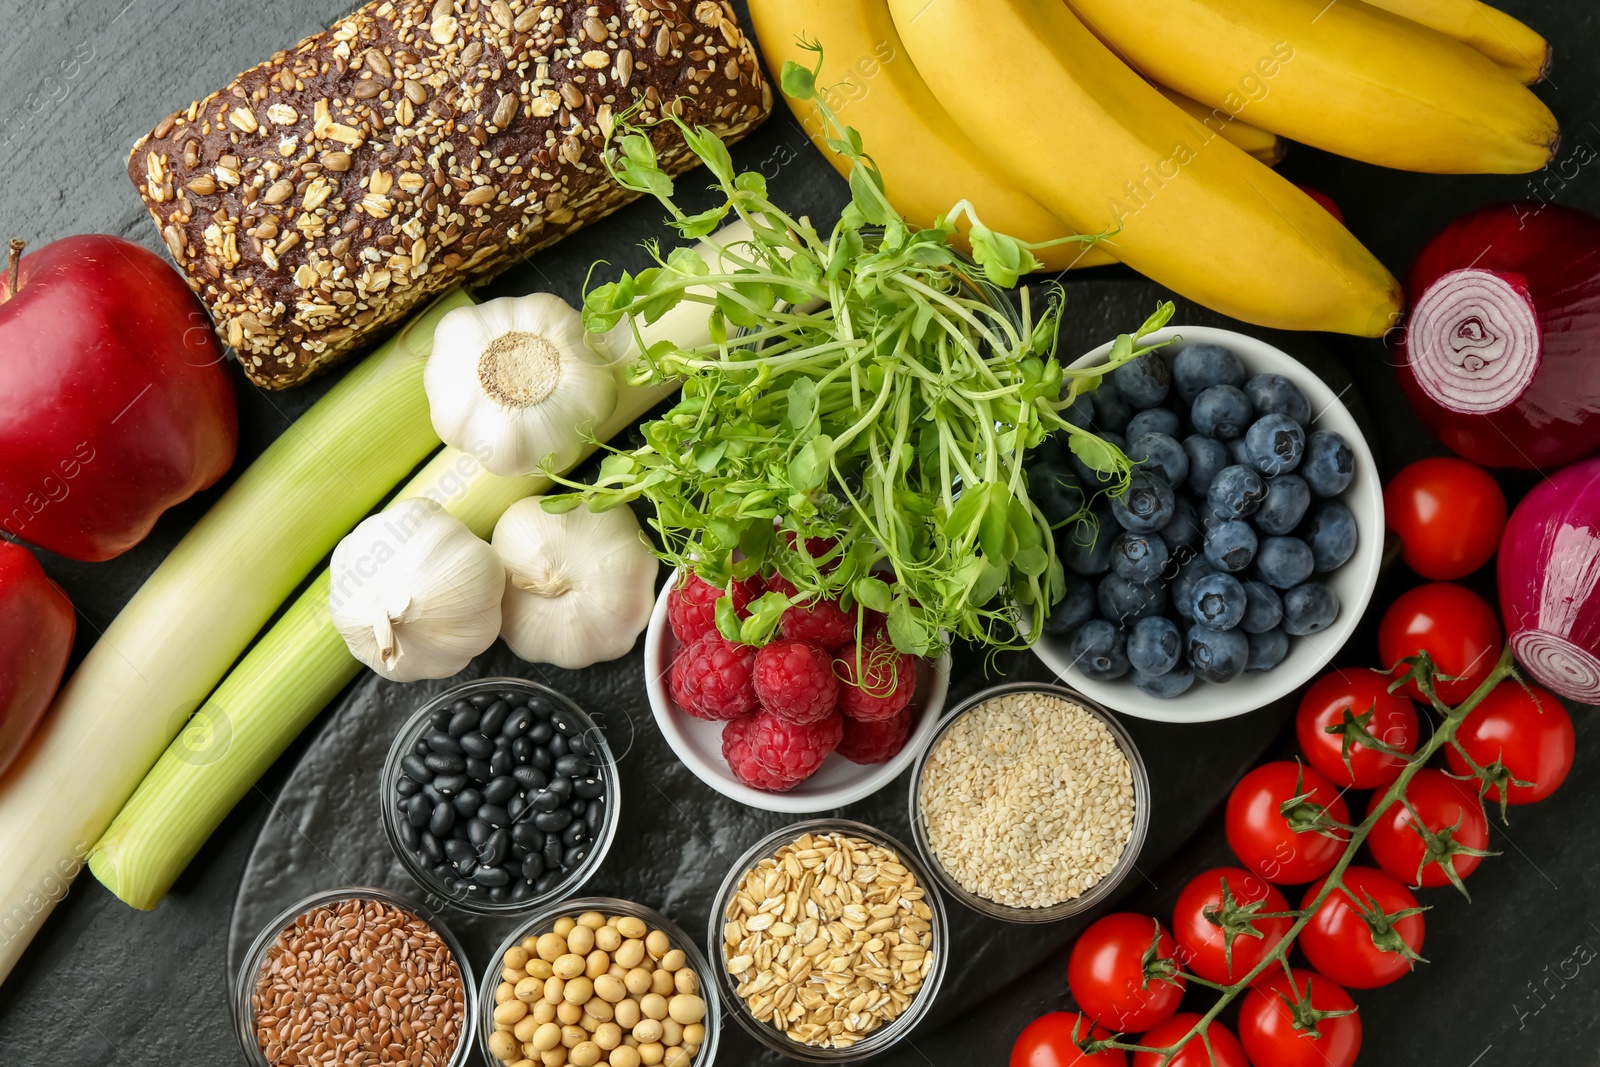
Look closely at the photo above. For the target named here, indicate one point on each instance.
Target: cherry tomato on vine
(1224, 1046)
(1451, 813)
(1280, 850)
(1449, 515)
(1365, 934)
(1517, 733)
(1456, 626)
(1203, 944)
(1267, 1023)
(1393, 722)
(1107, 975)
(1049, 1041)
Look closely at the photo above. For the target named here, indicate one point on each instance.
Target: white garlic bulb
(513, 382)
(415, 593)
(580, 585)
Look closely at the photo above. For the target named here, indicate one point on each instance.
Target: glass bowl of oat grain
(792, 907)
(1030, 804)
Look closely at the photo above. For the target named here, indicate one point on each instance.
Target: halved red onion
(1474, 340)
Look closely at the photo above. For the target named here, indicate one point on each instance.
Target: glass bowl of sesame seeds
(1030, 804)
(356, 975)
(827, 942)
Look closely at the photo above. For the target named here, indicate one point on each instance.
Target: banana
(1343, 76)
(1102, 149)
(928, 164)
(1262, 144)
(1521, 51)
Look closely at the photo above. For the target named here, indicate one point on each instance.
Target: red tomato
(1266, 842)
(1339, 942)
(1048, 1042)
(1267, 1023)
(1441, 803)
(1106, 973)
(1457, 627)
(1203, 944)
(1393, 722)
(1325, 200)
(1518, 733)
(1449, 515)
(1224, 1046)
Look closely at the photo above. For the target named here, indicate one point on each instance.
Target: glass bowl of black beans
(500, 796)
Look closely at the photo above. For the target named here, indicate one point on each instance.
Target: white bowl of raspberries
(787, 727)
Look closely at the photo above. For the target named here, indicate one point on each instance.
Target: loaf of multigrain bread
(415, 145)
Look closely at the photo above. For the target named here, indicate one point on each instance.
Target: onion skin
(1539, 265)
(1550, 582)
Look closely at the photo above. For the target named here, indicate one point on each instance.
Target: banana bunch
(1039, 113)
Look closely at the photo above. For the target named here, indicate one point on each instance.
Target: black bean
(580, 744)
(542, 706)
(467, 867)
(557, 746)
(458, 850)
(501, 893)
(440, 718)
(453, 886)
(479, 770)
(415, 769)
(431, 848)
(572, 766)
(450, 784)
(475, 744)
(502, 762)
(544, 800)
(521, 890)
(552, 852)
(495, 816)
(467, 802)
(595, 815)
(576, 834)
(577, 807)
(531, 778)
(573, 857)
(445, 762)
(501, 789)
(566, 723)
(432, 792)
(517, 723)
(561, 787)
(522, 749)
(516, 806)
(421, 748)
(533, 867)
(478, 831)
(410, 836)
(407, 786)
(463, 717)
(441, 741)
(444, 818)
(589, 788)
(493, 852)
(418, 811)
(541, 733)
(549, 883)
(553, 821)
(482, 700)
(494, 718)
(542, 759)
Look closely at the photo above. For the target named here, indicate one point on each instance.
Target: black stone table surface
(1514, 976)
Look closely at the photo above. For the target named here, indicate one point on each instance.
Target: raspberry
(878, 741)
(795, 681)
(822, 623)
(771, 753)
(889, 679)
(711, 679)
(814, 548)
(692, 606)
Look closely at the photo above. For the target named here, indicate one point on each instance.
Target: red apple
(36, 628)
(114, 404)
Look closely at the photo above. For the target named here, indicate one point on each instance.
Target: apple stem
(17, 245)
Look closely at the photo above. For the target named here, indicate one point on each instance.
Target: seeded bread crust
(415, 145)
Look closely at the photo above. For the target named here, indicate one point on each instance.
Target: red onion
(1501, 357)
(1550, 582)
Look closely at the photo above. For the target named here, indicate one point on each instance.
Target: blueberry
(1079, 413)
(1285, 504)
(1273, 394)
(1263, 608)
(1217, 655)
(1331, 533)
(1174, 683)
(1275, 444)
(1085, 545)
(1217, 602)
(1075, 607)
(1230, 546)
(1189, 575)
(1329, 464)
(1100, 650)
(1155, 420)
(1144, 382)
(1237, 492)
(1184, 529)
(1124, 602)
(1163, 454)
(1284, 562)
(1239, 453)
(1267, 650)
(1111, 412)
(1139, 557)
(1056, 490)
(1207, 458)
(1155, 646)
(1147, 505)
(1198, 367)
(1222, 411)
(1092, 478)
(1309, 608)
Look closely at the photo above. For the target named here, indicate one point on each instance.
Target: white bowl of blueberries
(1246, 548)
